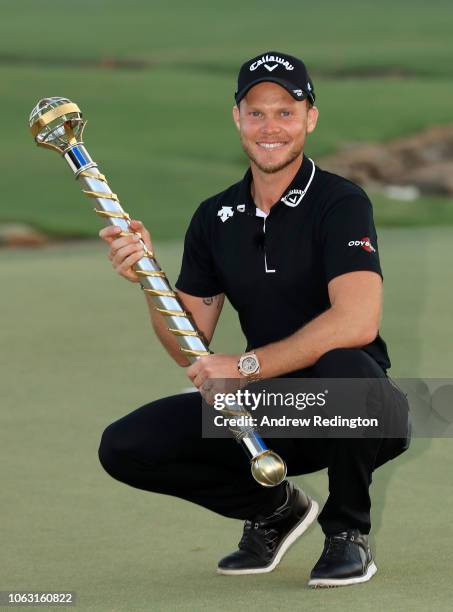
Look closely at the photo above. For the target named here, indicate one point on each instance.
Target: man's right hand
(126, 251)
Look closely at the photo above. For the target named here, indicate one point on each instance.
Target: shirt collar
(290, 197)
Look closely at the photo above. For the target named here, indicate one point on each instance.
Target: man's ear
(312, 119)
(236, 116)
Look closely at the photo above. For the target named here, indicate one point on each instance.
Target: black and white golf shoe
(346, 559)
(267, 538)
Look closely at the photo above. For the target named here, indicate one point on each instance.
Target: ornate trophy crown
(56, 123)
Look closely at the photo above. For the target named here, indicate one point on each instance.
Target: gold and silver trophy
(57, 124)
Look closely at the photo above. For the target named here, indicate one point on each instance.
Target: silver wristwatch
(249, 366)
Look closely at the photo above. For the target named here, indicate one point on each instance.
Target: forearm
(166, 338)
(333, 329)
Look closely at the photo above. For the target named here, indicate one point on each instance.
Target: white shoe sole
(334, 582)
(293, 535)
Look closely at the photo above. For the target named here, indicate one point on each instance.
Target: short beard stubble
(271, 169)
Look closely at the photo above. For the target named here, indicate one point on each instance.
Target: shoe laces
(264, 531)
(336, 544)
(255, 535)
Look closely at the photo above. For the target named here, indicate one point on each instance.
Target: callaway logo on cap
(276, 67)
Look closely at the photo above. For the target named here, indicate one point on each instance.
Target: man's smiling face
(273, 126)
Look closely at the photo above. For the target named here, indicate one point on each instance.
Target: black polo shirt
(275, 269)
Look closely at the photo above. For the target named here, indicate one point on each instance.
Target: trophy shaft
(56, 123)
(152, 278)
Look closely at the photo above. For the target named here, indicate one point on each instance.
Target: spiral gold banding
(172, 313)
(113, 215)
(99, 194)
(194, 352)
(159, 292)
(183, 332)
(51, 115)
(88, 174)
(146, 253)
(159, 273)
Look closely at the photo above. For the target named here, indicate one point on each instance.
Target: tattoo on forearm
(209, 301)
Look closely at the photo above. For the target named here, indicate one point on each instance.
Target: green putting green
(78, 353)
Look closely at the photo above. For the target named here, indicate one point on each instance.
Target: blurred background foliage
(156, 81)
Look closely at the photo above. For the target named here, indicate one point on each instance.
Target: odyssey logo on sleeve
(364, 243)
(225, 213)
(267, 60)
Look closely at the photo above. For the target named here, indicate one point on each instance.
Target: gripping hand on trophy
(126, 251)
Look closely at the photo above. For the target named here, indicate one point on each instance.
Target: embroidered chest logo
(225, 213)
(293, 197)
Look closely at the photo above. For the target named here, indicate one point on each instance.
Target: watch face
(249, 364)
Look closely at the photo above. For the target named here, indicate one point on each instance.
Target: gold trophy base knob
(268, 469)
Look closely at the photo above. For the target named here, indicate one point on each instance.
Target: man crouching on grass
(294, 249)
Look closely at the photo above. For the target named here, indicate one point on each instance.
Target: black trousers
(159, 448)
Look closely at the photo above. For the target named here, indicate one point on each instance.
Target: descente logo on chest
(225, 213)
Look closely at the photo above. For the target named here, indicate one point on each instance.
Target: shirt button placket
(267, 268)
